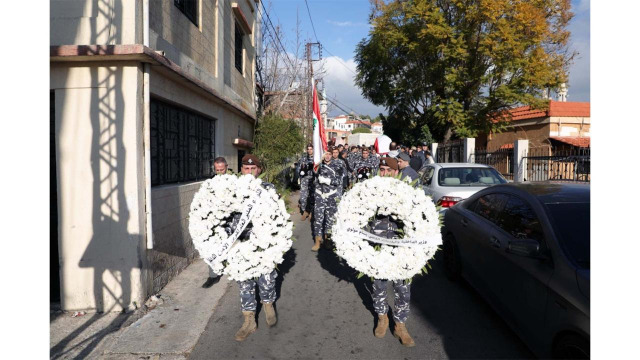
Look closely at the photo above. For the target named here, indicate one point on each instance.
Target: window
(182, 145)
(469, 176)
(238, 48)
(241, 154)
(189, 8)
(489, 206)
(572, 224)
(428, 175)
(520, 221)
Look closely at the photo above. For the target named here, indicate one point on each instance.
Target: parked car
(525, 248)
(450, 183)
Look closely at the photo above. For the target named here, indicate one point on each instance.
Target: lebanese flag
(319, 140)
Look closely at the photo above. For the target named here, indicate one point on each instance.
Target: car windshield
(572, 227)
(469, 176)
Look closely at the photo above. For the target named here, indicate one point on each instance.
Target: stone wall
(172, 246)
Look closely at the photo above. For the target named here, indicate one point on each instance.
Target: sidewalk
(169, 331)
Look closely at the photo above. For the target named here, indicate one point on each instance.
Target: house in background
(376, 127)
(564, 124)
(142, 101)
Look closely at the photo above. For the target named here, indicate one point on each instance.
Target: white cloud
(340, 85)
(346, 23)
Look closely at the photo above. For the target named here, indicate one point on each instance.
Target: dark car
(525, 248)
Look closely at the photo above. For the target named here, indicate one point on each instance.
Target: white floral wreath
(210, 216)
(387, 196)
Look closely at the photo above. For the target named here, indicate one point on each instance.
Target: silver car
(450, 183)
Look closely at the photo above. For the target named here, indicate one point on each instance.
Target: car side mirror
(524, 247)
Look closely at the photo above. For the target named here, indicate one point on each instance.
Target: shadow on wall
(112, 252)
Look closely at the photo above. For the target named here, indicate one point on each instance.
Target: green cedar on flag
(319, 140)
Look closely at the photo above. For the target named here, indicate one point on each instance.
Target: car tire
(571, 346)
(451, 255)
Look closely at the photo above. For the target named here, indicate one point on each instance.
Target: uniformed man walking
(335, 155)
(306, 183)
(328, 184)
(365, 166)
(266, 283)
(386, 227)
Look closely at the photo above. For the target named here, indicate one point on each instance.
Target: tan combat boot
(248, 327)
(383, 325)
(270, 313)
(401, 333)
(305, 215)
(316, 247)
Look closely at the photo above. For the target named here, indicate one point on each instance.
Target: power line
(275, 33)
(316, 35)
(311, 19)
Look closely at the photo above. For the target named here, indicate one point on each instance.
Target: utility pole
(309, 101)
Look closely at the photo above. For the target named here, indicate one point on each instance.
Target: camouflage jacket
(235, 218)
(306, 165)
(383, 226)
(332, 171)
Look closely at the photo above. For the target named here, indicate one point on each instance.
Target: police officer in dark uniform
(366, 166)
(306, 183)
(386, 227)
(266, 283)
(335, 154)
(328, 187)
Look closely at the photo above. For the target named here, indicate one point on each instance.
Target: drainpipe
(146, 104)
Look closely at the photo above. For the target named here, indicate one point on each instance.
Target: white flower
(216, 200)
(386, 196)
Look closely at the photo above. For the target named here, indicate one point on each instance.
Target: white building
(142, 101)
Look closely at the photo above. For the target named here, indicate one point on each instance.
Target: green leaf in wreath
(359, 275)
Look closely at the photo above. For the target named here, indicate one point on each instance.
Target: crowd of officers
(320, 189)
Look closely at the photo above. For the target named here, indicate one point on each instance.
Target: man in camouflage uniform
(335, 155)
(386, 227)
(328, 185)
(366, 166)
(306, 183)
(266, 283)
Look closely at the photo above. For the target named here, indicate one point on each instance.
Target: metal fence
(501, 160)
(451, 152)
(559, 165)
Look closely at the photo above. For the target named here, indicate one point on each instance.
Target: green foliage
(361, 130)
(451, 64)
(277, 142)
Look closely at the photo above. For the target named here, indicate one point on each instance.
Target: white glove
(324, 180)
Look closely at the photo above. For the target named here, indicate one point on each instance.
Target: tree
(456, 65)
(361, 130)
(277, 141)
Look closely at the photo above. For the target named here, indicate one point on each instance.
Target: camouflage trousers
(401, 299)
(267, 287)
(306, 194)
(324, 212)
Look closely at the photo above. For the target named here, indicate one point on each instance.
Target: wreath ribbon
(434, 240)
(245, 219)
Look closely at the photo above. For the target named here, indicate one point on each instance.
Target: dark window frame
(182, 144)
(189, 8)
(504, 217)
(495, 208)
(238, 38)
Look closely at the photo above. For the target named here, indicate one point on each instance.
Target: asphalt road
(324, 312)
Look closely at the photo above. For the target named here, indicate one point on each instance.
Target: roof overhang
(144, 54)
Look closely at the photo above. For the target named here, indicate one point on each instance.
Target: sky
(341, 24)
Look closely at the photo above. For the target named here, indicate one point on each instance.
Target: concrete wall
(362, 139)
(98, 126)
(172, 246)
(90, 22)
(177, 34)
(173, 249)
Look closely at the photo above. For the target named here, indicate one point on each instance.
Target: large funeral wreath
(213, 209)
(391, 259)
